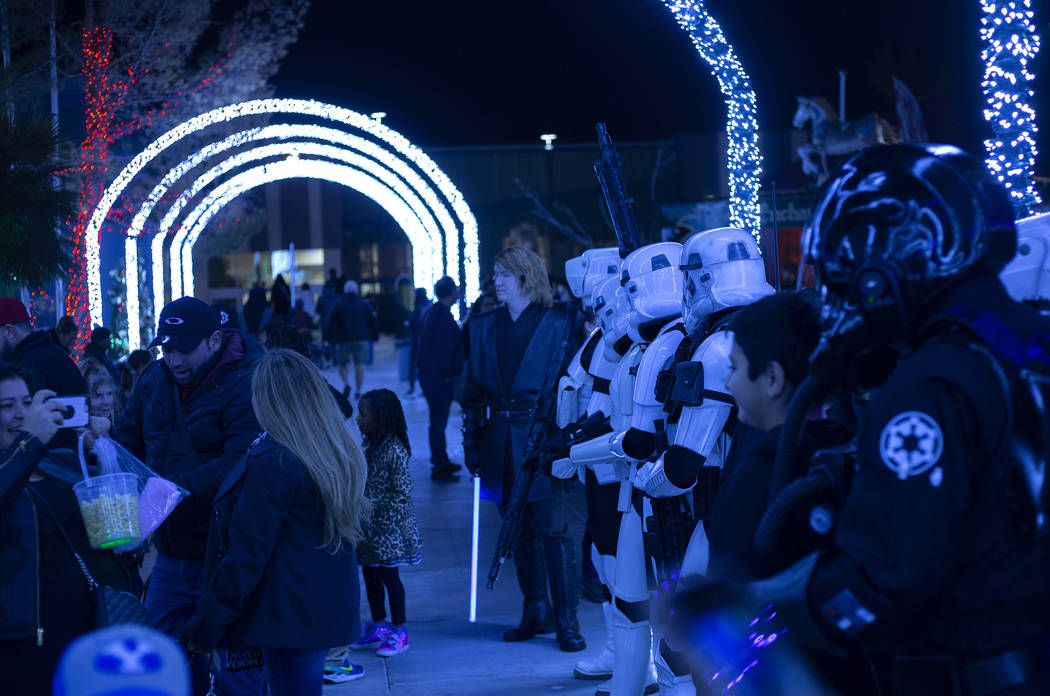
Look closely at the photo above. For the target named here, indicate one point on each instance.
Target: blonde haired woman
(281, 572)
(511, 353)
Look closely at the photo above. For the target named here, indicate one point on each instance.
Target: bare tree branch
(572, 229)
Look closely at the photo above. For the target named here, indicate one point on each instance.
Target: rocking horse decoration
(833, 137)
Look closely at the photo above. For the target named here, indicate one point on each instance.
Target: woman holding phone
(45, 600)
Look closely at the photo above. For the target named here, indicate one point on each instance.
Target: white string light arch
(389, 166)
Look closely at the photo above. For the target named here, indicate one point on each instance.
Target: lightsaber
(474, 551)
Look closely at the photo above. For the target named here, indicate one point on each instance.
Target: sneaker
(395, 644)
(345, 672)
(372, 637)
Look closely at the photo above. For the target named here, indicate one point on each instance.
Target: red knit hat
(12, 311)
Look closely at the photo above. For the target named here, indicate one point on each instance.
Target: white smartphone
(75, 411)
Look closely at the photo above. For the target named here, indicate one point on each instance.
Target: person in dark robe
(511, 350)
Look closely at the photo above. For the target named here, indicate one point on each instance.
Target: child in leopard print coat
(391, 535)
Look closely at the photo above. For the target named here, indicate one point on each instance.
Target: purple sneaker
(396, 643)
(373, 635)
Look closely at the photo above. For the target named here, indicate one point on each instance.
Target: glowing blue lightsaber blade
(474, 551)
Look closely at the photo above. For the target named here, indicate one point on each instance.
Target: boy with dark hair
(772, 341)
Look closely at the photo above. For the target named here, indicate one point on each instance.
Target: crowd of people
(829, 490)
(277, 505)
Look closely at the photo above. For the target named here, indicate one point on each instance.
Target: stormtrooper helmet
(653, 286)
(612, 312)
(1027, 276)
(721, 268)
(575, 272)
(601, 263)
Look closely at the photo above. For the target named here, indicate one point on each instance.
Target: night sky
(475, 73)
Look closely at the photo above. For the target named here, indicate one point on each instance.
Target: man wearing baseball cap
(190, 419)
(36, 352)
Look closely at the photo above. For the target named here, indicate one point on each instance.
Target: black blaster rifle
(670, 527)
(610, 177)
(542, 415)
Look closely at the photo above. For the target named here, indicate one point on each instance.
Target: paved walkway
(450, 656)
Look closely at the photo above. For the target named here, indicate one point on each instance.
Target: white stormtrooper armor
(575, 272)
(583, 273)
(721, 268)
(576, 387)
(601, 264)
(654, 288)
(1027, 276)
(612, 310)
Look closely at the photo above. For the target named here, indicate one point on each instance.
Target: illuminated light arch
(293, 148)
(281, 132)
(181, 258)
(466, 233)
(343, 174)
(745, 157)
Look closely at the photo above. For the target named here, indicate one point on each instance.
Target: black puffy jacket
(48, 364)
(193, 437)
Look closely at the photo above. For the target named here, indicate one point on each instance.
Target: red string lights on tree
(104, 97)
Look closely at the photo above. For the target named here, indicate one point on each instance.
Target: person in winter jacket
(351, 324)
(281, 570)
(45, 599)
(439, 361)
(190, 420)
(48, 365)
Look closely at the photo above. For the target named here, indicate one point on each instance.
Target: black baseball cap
(184, 323)
(226, 316)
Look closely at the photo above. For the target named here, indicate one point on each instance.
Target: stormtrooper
(574, 389)
(722, 270)
(652, 290)
(584, 396)
(1027, 277)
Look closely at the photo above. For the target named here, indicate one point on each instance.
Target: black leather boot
(561, 571)
(537, 615)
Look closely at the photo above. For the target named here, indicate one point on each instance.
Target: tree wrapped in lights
(745, 159)
(1010, 45)
(104, 97)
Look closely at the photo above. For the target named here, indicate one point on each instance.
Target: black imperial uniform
(941, 572)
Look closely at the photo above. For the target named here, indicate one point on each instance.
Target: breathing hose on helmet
(808, 392)
(804, 491)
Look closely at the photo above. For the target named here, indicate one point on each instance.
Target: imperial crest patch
(911, 443)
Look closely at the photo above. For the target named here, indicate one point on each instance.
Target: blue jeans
(294, 671)
(174, 588)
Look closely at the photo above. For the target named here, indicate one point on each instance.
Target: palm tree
(32, 252)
